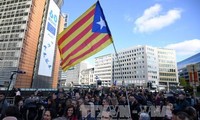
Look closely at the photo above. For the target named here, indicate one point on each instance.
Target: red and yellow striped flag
(86, 36)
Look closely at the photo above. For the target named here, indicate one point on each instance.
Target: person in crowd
(12, 113)
(60, 90)
(49, 114)
(168, 112)
(76, 108)
(122, 100)
(182, 116)
(18, 92)
(19, 103)
(191, 112)
(144, 116)
(97, 100)
(69, 114)
(105, 104)
(182, 103)
(106, 115)
(92, 100)
(68, 102)
(114, 108)
(87, 100)
(3, 104)
(134, 107)
(77, 96)
(197, 106)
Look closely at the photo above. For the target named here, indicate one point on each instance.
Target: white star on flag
(101, 23)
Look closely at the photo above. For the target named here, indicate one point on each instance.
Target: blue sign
(51, 29)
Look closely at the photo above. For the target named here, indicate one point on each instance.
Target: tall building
(28, 32)
(138, 65)
(103, 69)
(168, 72)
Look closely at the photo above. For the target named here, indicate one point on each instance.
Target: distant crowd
(113, 103)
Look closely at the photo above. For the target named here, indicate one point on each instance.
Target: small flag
(86, 36)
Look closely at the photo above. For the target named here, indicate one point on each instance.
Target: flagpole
(123, 83)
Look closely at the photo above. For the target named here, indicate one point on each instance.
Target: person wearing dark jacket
(134, 107)
(182, 103)
(3, 104)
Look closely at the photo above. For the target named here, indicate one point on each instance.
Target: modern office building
(138, 65)
(103, 69)
(168, 72)
(191, 60)
(189, 69)
(27, 35)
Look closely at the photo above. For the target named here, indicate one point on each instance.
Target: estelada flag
(86, 36)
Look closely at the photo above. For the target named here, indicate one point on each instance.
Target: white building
(87, 76)
(137, 65)
(103, 69)
(72, 75)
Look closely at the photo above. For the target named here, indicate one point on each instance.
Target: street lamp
(11, 79)
(194, 80)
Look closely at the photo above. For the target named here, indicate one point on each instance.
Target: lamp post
(11, 79)
(193, 80)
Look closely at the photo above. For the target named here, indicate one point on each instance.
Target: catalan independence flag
(86, 36)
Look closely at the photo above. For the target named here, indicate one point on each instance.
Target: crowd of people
(101, 104)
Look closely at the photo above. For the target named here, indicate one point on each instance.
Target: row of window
(16, 3)
(9, 28)
(166, 61)
(131, 51)
(130, 55)
(166, 57)
(129, 77)
(13, 31)
(166, 52)
(14, 15)
(13, 10)
(151, 71)
(8, 64)
(168, 74)
(100, 71)
(167, 65)
(9, 58)
(10, 48)
(166, 70)
(10, 39)
(167, 79)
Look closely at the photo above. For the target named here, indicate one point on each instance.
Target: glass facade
(191, 60)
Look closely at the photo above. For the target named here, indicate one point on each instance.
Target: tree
(183, 82)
